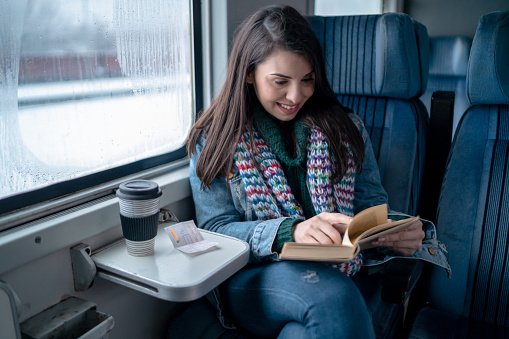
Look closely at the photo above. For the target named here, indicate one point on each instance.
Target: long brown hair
(231, 111)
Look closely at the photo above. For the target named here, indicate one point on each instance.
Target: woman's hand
(405, 242)
(324, 228)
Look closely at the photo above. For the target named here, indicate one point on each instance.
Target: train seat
(448, 71)
(376, 67)
(473, 212)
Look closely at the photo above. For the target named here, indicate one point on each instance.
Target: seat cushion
(472, 216)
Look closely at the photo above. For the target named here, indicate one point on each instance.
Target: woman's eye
(308, 79)
(280, 82)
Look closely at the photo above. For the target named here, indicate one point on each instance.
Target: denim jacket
(225, 208)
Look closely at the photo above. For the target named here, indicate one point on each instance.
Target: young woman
(275, 159)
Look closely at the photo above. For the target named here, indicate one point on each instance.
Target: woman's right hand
(324, 228)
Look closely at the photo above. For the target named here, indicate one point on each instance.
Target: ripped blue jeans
(291, 299)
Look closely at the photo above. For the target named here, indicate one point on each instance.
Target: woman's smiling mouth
(288, 109)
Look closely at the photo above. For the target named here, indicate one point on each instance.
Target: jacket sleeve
(368, 189)
(215, 211)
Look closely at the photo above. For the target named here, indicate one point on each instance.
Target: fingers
(405, 242)
(336, 218)
(341, 228)
(324, 228)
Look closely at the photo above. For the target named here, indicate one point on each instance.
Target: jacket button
(230, 175)
(431, 251)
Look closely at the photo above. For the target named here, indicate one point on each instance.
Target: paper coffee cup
(139, 215)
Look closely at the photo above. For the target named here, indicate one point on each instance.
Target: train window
(91, 85)
(348, 7)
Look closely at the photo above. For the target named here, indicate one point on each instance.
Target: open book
(364, 228)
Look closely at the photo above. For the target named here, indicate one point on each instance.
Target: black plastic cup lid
(139, 190)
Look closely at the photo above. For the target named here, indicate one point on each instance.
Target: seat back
(448, 71)
(376, 68)
(473, 214)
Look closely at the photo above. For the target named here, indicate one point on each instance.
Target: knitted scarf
(271, 195)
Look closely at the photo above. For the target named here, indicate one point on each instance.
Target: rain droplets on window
(89, 85)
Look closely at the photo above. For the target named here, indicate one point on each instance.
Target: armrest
(399, 277)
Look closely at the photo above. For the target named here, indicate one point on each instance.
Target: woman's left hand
(405, 242)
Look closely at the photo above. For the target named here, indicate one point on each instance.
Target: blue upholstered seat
(448, 71)
(473, 213)
(376, 66)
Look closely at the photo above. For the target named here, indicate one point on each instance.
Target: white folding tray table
(170, 274)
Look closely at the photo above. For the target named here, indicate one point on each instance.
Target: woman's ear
(250, 78)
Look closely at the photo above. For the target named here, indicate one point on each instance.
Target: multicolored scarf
(271, 195)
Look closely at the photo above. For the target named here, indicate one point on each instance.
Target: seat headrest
(488, 67)
(449, 55)
(375, 55)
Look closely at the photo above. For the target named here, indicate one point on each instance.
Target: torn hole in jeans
(310, 276)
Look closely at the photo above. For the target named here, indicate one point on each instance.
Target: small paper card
(186, 237)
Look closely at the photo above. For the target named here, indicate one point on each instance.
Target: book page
(363, 221)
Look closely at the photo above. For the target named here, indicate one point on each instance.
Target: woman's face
(283, 83)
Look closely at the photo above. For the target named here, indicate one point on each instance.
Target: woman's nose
(294, 93)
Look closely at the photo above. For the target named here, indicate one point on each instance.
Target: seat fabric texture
(473, 212)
